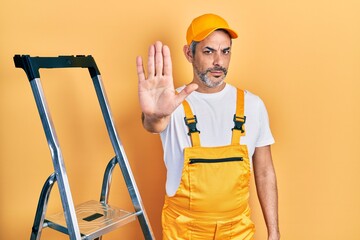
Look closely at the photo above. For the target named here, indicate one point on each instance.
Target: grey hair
(193, 45)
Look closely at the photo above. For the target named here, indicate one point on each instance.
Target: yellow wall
(301, 57)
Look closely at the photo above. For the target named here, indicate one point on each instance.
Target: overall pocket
(215, 184)
(217, 177)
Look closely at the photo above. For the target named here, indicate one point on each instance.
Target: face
(211, 59)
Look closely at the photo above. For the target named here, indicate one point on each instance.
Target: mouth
(217, 72)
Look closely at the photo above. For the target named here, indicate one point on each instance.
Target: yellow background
(301, 57)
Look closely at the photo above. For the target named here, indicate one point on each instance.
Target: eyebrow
(212, 49)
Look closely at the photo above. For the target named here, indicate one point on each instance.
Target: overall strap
(190, 121)
(239, 118)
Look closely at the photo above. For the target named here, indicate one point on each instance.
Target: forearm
(266, 186)
(154, 124)
(268, 196)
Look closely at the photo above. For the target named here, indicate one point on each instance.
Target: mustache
(224, 70)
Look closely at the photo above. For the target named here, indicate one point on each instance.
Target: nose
(218, 61)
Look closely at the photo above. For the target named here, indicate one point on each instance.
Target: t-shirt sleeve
(265, 136)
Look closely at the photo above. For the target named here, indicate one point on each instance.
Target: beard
(206, 80)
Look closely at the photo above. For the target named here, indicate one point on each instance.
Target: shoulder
(251, 96)
(253, 100)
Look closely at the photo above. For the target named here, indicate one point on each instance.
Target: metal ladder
(92, 219)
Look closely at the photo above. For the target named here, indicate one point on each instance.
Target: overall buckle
(191, 123)
(239, 121)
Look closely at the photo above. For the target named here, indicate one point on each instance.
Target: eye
(207, 52)
(226, 51)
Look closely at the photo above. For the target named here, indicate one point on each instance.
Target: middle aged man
(211, 140)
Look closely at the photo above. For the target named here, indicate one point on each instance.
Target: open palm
(157, 95)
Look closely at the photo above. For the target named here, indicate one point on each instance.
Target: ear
(188, 53)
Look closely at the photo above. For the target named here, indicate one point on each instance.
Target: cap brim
(206, 33)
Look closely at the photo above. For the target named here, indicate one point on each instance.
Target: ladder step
(94, 218)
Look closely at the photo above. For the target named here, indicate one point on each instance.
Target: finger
(186, 92)
(167, 61)
(158, 58)
(150, 65)
(140, 68)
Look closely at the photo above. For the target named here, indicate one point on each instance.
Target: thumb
(186, 92)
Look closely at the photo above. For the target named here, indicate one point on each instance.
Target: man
(209, 139)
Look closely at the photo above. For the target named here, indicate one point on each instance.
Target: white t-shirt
(214, 113)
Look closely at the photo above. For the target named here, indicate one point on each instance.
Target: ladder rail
(121, 158)
(58, 161)
(41, 208)
(105, 189)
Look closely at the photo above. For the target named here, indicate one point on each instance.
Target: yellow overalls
(212, 199)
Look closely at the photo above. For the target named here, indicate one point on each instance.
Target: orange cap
(204, 25)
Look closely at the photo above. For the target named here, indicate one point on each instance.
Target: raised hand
(157, 95)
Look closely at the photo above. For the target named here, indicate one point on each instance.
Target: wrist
(153, 123)
(274, 235)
